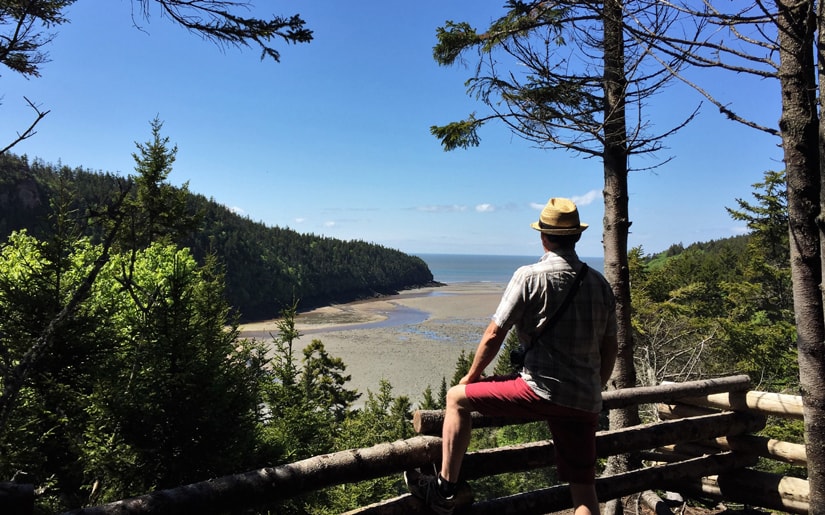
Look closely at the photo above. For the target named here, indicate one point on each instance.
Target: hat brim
(560, 231)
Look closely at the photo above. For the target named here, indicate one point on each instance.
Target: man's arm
(487, 349)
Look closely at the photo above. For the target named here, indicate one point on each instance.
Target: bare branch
(28, 133)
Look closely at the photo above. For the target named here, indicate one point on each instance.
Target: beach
(411, 339)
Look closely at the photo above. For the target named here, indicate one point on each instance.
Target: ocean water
(466, 268)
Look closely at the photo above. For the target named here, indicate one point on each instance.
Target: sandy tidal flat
(412, 339)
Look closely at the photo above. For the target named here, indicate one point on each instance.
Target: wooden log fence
(429, 422)
(766, 403)
(702, 454)
(749, 487)
(558, 497)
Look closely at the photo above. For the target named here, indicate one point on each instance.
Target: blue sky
(335, 141)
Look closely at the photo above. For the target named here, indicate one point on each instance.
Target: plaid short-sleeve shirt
(564, 365)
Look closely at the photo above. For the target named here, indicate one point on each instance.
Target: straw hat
(560, 217)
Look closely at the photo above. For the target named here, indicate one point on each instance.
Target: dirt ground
(412, 339)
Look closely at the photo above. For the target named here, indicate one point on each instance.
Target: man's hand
(467, 379)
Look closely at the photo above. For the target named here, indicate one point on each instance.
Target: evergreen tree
(304, 404)
(384, 418)
(761, 326)
(504, 365)
(462, 366)
(442, 393)
(138, 387)
(428, 401)
(181, 385)
(722, 306)
(569, 75)
(158, 209)
(768, 250)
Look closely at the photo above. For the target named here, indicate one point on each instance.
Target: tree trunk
(617, 224)
(799, 124)
(265, 486)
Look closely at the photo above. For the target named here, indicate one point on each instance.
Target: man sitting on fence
(566, 322)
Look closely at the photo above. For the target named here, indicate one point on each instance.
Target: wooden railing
(695, 453)
(750, 487)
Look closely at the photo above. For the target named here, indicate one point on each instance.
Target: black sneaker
(425, 487)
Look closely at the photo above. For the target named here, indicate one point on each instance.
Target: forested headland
(266, 268)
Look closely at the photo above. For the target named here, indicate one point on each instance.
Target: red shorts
(574, 431)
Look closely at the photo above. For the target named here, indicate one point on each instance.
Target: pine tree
(159, 210)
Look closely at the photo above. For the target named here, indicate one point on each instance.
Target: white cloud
(588, 198)
(236, 210)
(485, 208)
(330, 223)
(580, 200)
(455, 208)
(300, 220)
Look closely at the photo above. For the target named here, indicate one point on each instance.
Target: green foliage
(157, 208)
(384, 418)
(323, 381)
(768, 219)
(429, 401)
(519, 19)
(303, 405)
(529, 71)
(767, 287)
(542, 99)
(21, 45)
(453, 39)
(182, 387)
(503, 364)
(22, 41)
(723, 306)
(140, 385)
(44, 388)
(433, 401)
(136, 382)
(462, 366)
(442, 392)
(462, 134)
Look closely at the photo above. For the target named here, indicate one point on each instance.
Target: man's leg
(456, 432)
(584, 497)
(440, 494)
(574, 436)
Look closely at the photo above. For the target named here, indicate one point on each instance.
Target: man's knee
(457, 398)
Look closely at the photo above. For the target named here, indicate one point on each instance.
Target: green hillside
(266, 267)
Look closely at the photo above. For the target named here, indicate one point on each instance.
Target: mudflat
(411, 339)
